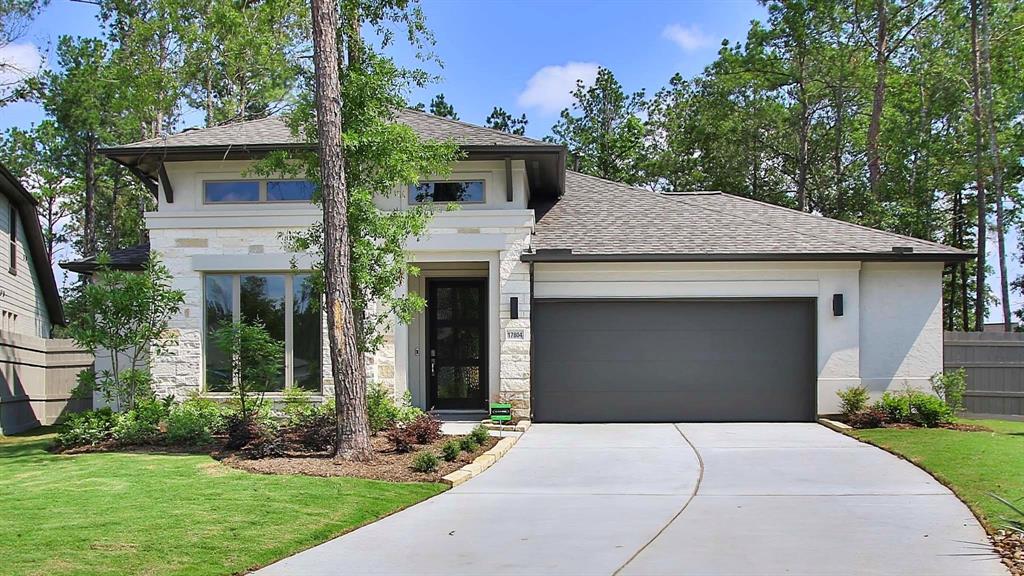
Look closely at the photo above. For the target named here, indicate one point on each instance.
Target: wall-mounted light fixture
(837, 304)
(513, 308)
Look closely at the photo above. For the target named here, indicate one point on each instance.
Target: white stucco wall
(890, 333)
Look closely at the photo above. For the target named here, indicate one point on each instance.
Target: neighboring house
(572, 297)
(38, 373)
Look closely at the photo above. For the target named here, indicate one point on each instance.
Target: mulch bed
(1010, 546)
(387, 464)
(958, 426)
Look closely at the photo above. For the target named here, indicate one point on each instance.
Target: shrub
(853, 399)
(384, 412)
(895, 406)
(194, 422)
(950, 386)
(140, 425)
(256, 362)
(929, 411)
(298, 408)
(320, 429)
(468, 444)
(425, 428)
(425, 462)
(481, 434)
(868, 418)
(402, 439)
(450, 450)
(86, 428)
(266, 443)
(243, 429)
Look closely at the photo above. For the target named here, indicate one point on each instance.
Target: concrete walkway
(634, 499)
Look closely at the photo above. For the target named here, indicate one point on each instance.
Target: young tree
(499, 119)
(604, 131)
(257, 364)
(125, 316)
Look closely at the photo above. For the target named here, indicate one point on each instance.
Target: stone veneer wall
(514, 281)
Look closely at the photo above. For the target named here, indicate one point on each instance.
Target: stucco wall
(901, 325)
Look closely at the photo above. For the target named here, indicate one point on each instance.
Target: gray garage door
(674, 361)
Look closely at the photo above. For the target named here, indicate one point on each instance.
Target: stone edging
(837, 426)
(487, 459)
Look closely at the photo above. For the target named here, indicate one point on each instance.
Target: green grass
(972, 464)
(169, 513)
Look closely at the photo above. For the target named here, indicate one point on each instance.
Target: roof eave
(567, 256)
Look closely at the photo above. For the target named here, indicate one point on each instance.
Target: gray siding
(994, 362)
(22, 307)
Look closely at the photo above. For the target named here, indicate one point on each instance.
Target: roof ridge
(844, 222)
(477, 126)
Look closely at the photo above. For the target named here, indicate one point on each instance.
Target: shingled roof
(273, 130)
(598, 219)
(130, 258)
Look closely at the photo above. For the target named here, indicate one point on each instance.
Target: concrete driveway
(639, 499)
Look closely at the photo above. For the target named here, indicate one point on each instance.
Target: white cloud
(17, 62)
(550, 88)
(689, 38)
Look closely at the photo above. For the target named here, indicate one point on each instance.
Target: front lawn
(125, 513)
(973, 464)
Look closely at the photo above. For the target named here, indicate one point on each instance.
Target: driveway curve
(634, 499)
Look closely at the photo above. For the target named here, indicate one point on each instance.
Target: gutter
(566, 255)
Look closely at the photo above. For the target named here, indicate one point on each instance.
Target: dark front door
(457, 328)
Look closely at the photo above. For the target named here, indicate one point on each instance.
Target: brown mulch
(958, 426)
(115, 446)
(1010, 546)
(387, 464)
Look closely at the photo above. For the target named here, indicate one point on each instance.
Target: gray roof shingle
(130, 258)
(274, 130)
(600, 217)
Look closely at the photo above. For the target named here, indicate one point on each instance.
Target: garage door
(674, 361)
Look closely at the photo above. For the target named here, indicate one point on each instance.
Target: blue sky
(522, 55)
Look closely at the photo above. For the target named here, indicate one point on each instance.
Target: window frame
(13, 249)
(289, 325)
(483, 185)
(261, 183)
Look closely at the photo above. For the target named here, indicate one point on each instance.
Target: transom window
(288, 307)
(455, 191)
(250, 191)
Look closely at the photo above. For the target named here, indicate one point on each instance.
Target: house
(37, 373)
(574, 298)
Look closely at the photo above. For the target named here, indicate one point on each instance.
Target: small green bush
(950, 386)
(929, 411)
(140, 425)
(468, 444)
(896, 406)
(425, 462)
(384, 412)
(450, 450)
(194, 421)
(481, 434)
(853, 399)
(86, 428)
(298, 406)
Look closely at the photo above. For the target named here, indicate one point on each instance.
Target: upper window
(461, 191)
(249, 191)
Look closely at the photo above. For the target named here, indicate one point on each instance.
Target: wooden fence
(995, 370)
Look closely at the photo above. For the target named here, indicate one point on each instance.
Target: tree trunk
(89, 210)
(997, 167)
(878, 102)
(979, 171)
(353, 435)
(803, 143)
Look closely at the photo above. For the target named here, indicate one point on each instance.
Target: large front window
(285, 304)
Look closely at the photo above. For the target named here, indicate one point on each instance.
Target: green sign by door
(501, 412)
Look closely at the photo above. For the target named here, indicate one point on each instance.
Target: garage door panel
(628, 361)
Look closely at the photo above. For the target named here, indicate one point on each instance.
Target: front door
(457, 328)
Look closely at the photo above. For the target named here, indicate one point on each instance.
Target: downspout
(531, 341)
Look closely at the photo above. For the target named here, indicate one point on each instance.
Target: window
(14, 240)
(251, 191)
(286, 304)
(465, 191)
